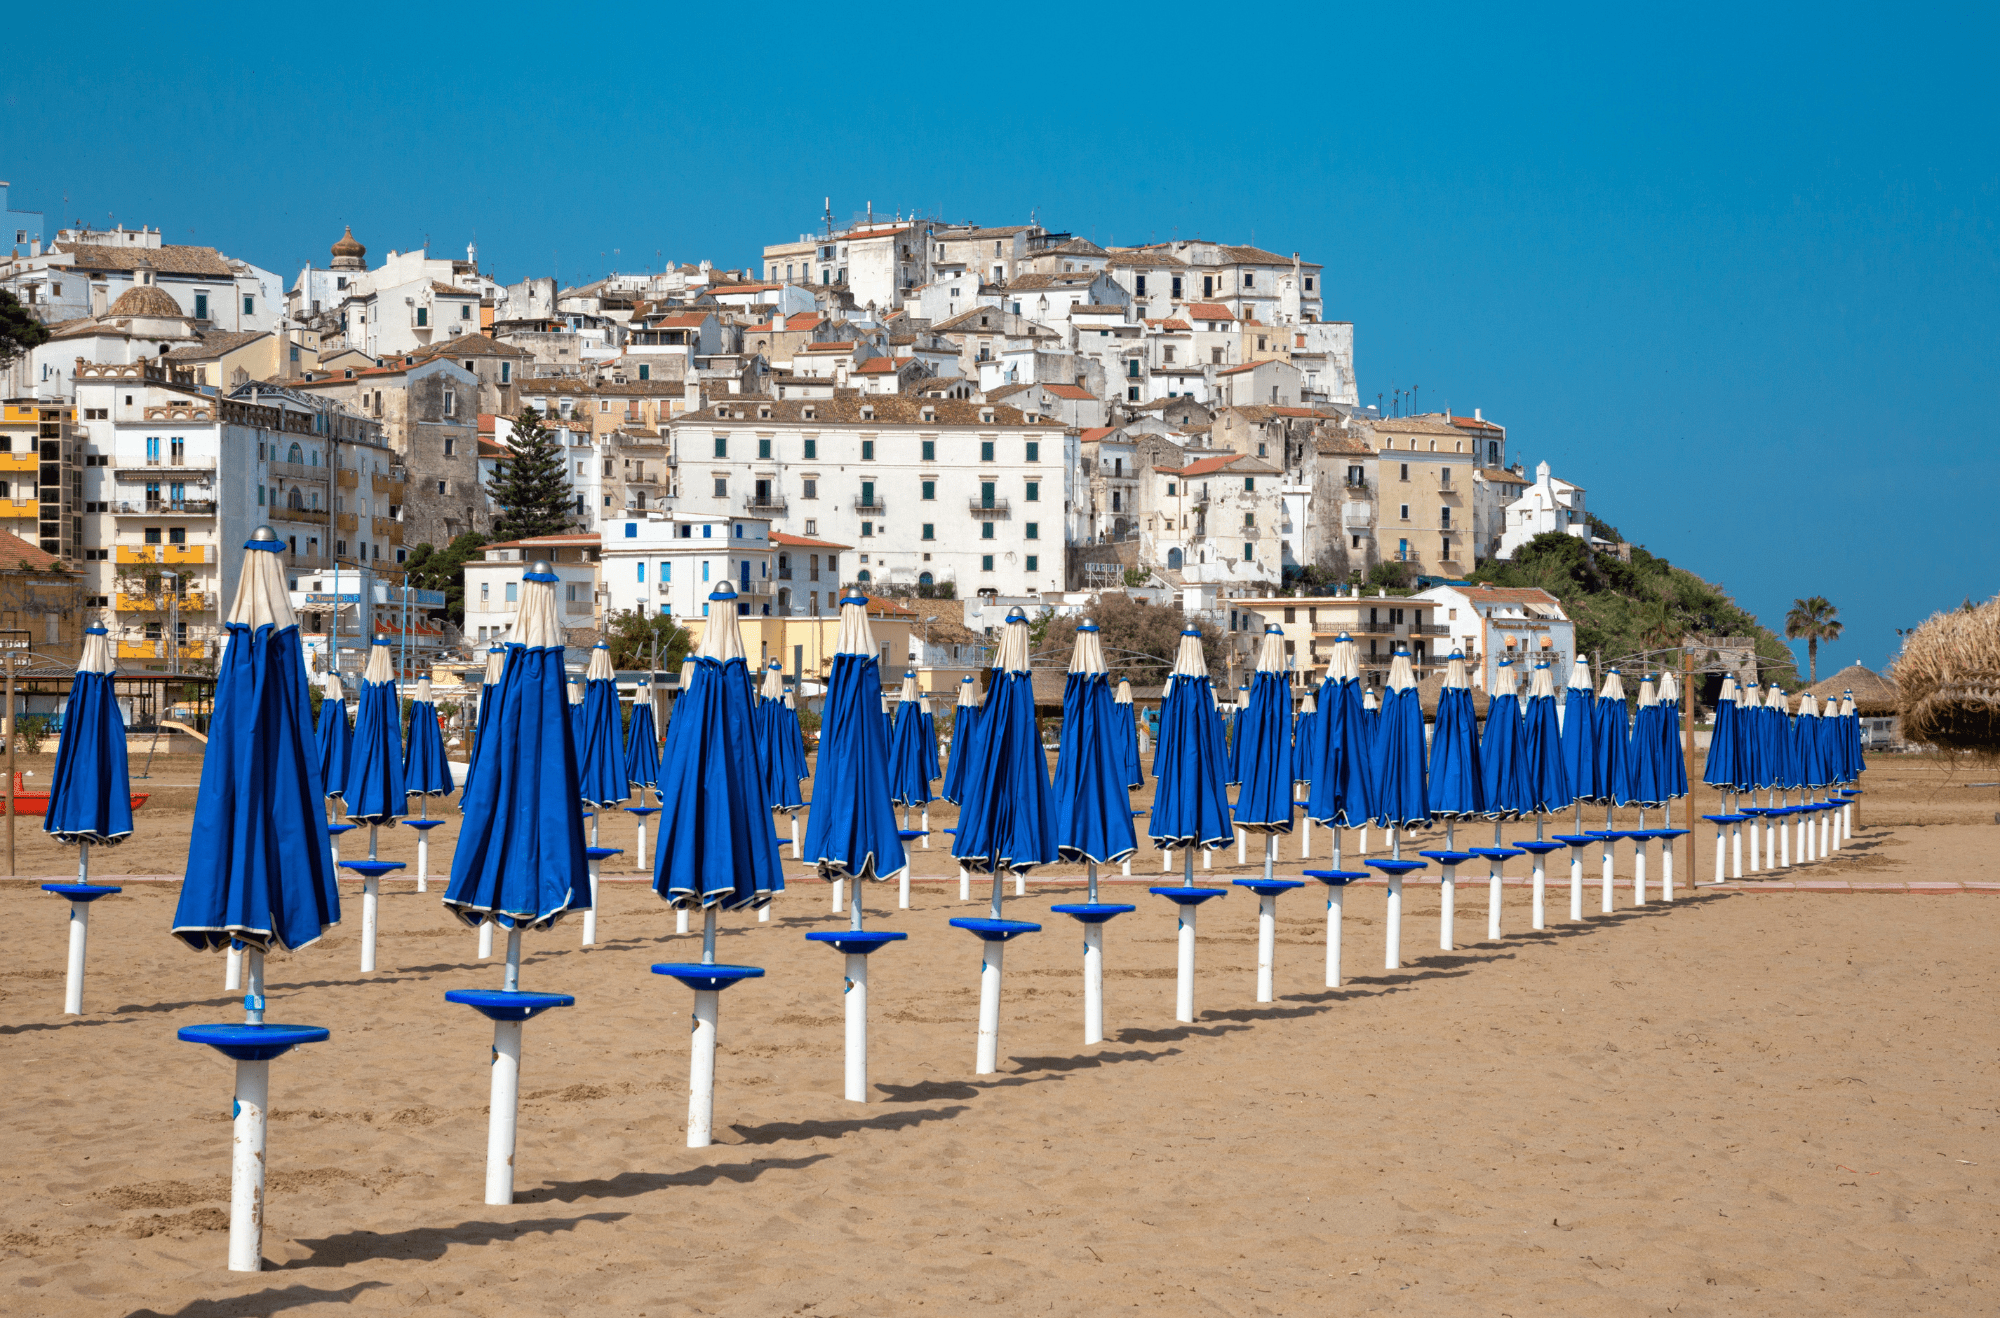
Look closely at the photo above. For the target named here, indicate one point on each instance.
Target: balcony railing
(877, 508)
(1429, 629)
(985, 511)
(577, 608)
(767, 505)
(156, 466)
(193, 602)
(168, 555)
(165, 507)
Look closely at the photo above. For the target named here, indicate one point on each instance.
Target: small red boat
(37, 803)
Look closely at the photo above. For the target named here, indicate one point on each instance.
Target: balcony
(158, 650)
(986, 511)
(392, 486)
(1429, 629)
(163, 467)
(299, 471)
(875, 509)
(577, 608)
(346, 521)
(768, 505)
(166, 555)
(165, 507)
(313, 517)
(194, 601)
(753, 587)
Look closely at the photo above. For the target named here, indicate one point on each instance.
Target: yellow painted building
(21, 431)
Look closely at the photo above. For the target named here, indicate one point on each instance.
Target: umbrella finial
(540, 568)
(263, 533)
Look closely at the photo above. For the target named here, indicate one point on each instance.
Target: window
(1404, 472)
(201, 307)
(1249, 519)
(450, 447)
(722, 446)
(868, 450)
(423, 317)
(986, 530)
(1034, 530)
(929, 453)
(1034, 453)
(812, 446)
(986, 491)
(930, 489)
(986, 562)
(440, 487)
(1032, 492)
(868, 494)
(986, 450)
(249, 305)
(810, 488)
(722, 487)
(763, 446)
(1249, 550)
(513, 592)
(867, 530)
(930, 531)
(1406, 511)
(465, 311)
(812, 528)
(1249, 484)
(450, 402)
(1170, 489)
(152, 535)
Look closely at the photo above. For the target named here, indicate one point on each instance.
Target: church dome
(347, 253)
(146, 300)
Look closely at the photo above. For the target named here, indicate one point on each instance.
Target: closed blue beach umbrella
(642, 765)
(375, 794)
(335, 736)
(1128, 733)
(1501, 749)
(1542, 769)
(1008, 820)
(1304, 749)
(964, 734)
(1579, 738)
(1342, 784)
(260, 867)
(1457, 789)
(426, 773)
(933, 768)
(1264, 756)
(1093, 804)
(1719, 769)
(909, 785)
(90, 794)
(1190, 803)
(1643, 769)
(1402, 800)
(600, 764)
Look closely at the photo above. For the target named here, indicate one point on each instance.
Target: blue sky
(1732, 269)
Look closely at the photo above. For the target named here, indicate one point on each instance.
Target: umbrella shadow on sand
(1090, 1061)
(61, 1025)
(263, 1303)
(773, 1132)
(429, 1243)
(625, 1185)
(1178, 1033)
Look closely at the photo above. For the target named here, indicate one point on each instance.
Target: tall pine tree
(531, 487)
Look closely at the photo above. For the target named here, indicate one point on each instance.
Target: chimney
(1476, 416)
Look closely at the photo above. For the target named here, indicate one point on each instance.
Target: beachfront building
(493, 583)
(1378, 624)
(1489, 623)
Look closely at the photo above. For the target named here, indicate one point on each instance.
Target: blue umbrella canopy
(1232, 716)
(775, 726)
(259, 866)
(1303, 747)
(519, 860)
(1851, 760)
(90, 796)
(1673, 765)
(1643, 770)
(1457, 791)
(716, 846)
(1541, 748)
(1401, 800)
(375, 793)
(932, 769)
(908, 748)
(851, 827)
(1720, 769)
(1092, 801)
(964, 736)
(1263, 745)
(794, 741)
(1751, 769)
(1781, 758)
(1501, 749)
(1610, 725)
(335, 737)
(1343, 777)
(1127, 725)
(1579, 735)
(489, 695)
(642, 741)
(602, 780)
(425, 771)
(1008, 819)
(1806, 742)
(1190, 802)
(576, 716)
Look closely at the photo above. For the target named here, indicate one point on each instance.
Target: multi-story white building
(928, 490)
(493, 583)
(1489, 623)
(1551, 504)
(670, 562)
(411, 301)
(1217, 519)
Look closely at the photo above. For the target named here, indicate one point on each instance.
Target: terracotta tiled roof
(1207, 466)
(882, 365)
(168, 259)
(1172, 323)
(1258, 256)
(1208, 311)
(550, 541)
(1096, 433)
(845, 345)
(1146, 258)
(681, 320)
(1070, 280)
(1238, 370)
(1007, 231)
(452, 290)
(215, 345)
(802, 542)
(1472, 423)
(490, 449)
(1071, 391)
(19, 555)
(472, 345)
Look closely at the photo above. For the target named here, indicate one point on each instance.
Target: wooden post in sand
(1687, 747)
(8, 724)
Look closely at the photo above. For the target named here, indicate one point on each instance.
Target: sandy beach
(1742, 1103)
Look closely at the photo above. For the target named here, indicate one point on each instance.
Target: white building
(1488, 623)
(928, 490)
(411, 301)
(493, 583)
(670, 562)
(1550, 504)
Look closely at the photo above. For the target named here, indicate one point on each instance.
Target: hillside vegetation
(1621, 608)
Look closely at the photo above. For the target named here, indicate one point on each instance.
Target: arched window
(863, 577)
(1174, 560)
(924, 579)
(294, 499)
(297, 454)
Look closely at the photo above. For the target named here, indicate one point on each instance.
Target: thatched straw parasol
(1874, 695)
(1949, 680)
(1431, 688)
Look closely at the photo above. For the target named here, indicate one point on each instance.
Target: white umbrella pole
(857, 1029)
(246, 1166)
(903, 888)
(639, 853)
(795, 835)
(1267, 925)
(1735, 850)
(590, 916)
(991, 955)
(1448, 891)
(1336, 901)
(1207, 858)
(1093, 983)
(1720, 842)
(485, 940)
(1166, 861)
(1609, 860)
(1666, 869)
(1020, 883)
(369, 901)
(927, 825)
(964, 884)
(503, 1108)
(1576, 883)
(681, 919)
(1541, 913)
(423, 845)
(1639, 865)
(232, 978)
(1785, 841)
(79, 939)
(1184, 983)
(1242, 849)
(1756, 849)
(1392, 955)
(701, 1065)
(839, 894)
(1493, 898)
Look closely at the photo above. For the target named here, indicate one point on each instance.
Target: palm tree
(1815, 619)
